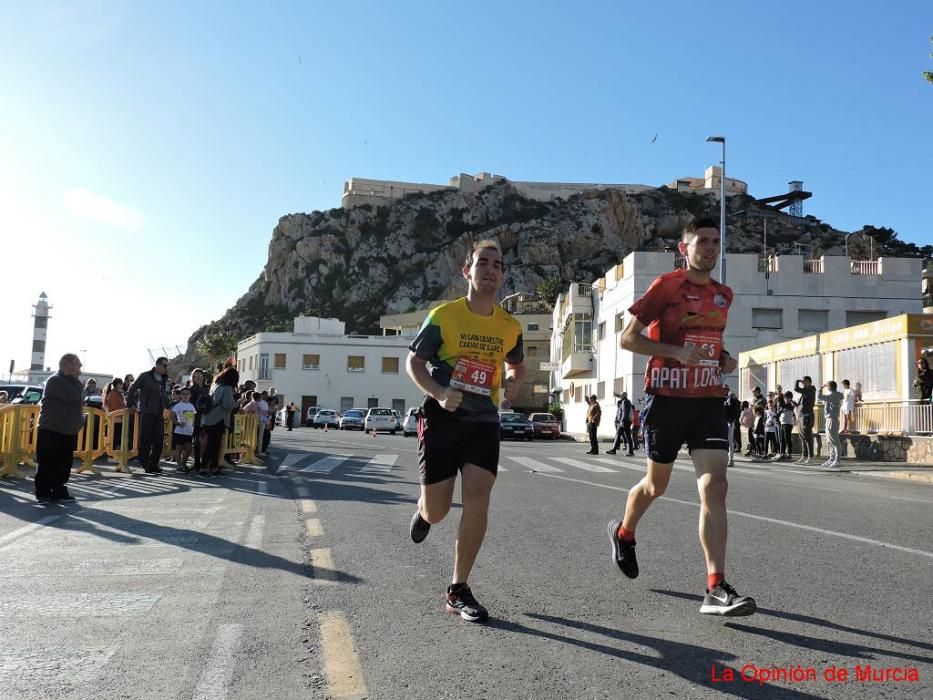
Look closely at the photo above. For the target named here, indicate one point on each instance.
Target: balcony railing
(902, 417)
(814, 266)
(865, 267)
(767, 263)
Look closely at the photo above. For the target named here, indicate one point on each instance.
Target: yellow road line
(322, 564)
(341, 662)
(308, 506)
(313, 528)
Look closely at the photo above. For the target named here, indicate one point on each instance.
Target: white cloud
(84, 204)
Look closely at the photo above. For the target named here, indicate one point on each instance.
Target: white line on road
(380, 463)
(763, 518)
(313, 528)
(580, 464)
(219, 672)
(326, 465)
(254, 534)
(292, 458)
(26, 529)
(534, 464)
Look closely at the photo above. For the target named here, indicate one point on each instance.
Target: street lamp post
(721, 140)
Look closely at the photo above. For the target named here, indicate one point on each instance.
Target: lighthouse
(39, 329)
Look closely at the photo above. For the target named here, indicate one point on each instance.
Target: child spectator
(183, 414)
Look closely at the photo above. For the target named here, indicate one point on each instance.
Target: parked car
(545, 425)
(280, 417)
(410, 424)
(380, 419)
(352, 419)
(515, 425)
(309, 416)
(398, 419)
(22, 393)
(325, 416)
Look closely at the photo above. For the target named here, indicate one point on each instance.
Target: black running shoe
(723, 600)
(623, 553)
(419, 528)
(460, 600)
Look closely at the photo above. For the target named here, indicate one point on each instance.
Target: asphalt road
(299, 580)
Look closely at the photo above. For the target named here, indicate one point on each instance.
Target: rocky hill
(360, 263)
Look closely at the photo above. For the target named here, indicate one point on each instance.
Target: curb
(919, 477)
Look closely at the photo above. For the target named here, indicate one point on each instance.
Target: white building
(775, 299)
(317, 364)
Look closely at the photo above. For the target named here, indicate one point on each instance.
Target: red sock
(626, 535)
(713, 580)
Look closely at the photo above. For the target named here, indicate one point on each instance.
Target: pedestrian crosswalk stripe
(621, 464)
(534, 464)
(380, 463)
(326, 465)
(292, 458)
(580, 464)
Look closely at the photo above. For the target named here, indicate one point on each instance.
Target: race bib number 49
(709, 344)
(473, 376)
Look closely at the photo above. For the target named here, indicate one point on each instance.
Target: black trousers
(806, 434)
(786, 431)
(266, 438)
(591, 429)
(151, 437)
(624, 434)
(215, 436)
(55, 455)
(736, 435)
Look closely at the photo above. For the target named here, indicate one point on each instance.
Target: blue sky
(148, 149)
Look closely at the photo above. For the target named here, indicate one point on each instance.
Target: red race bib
(473, 376)
(710, 344)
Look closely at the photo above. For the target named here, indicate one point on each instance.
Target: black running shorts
(670, 421)
(446, 443)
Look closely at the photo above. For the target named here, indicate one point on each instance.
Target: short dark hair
(832, 385)
(806, 378)
(160, 360)
(845, 382)
(698, 222)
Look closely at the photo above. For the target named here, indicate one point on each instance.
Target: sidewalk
(907, 471)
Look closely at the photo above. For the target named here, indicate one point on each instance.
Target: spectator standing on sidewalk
(848, 405)
(807, 392)
(149, 396)
(593, 415)
(786, 419)
(747, 421)
(201, 398)
(923, 382)
(831, 401)
(733, 413)
(623, 423)
(183, 416)
(290, 415)
(60, 420)
(219, 418)
(265, 431)
(114, 401)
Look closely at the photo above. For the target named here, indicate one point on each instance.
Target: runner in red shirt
(685, 314)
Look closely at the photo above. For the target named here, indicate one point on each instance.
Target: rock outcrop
(359, 263)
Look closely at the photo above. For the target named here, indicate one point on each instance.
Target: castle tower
(39, 330)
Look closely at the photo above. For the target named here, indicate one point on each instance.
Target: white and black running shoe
(419, 528)
(460, 601)
(723, 600)
(623, 553)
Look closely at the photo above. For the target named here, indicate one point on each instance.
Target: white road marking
(380, 464)
(26, 529)
(215, 680)
(580, 464)
(292, 458)
(534, 464)
(254, 534)
(763, 518)
(326, 465)
(313, 528)
(308, 506)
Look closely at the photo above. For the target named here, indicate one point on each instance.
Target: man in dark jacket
(60, 421)
(623, 426)
(593, 416)
(149, 396)
(733, 410)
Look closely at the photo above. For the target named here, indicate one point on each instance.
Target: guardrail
(901, 417)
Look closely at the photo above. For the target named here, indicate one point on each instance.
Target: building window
(813, 320)
(578, 394)
(854, 318)
(578, 335)
(602, 330)
(346, 403)
(264, 366)
(372, 402)
(390, 365)
(251, 363)
(356, 363)
(38, 346)
(532, 326)
(532, 351)
(620, 322)
(398, 405)
(41, 322)
(767, 319)
(311, 361)
(601, 390)
(872, 366)
(279, 360)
